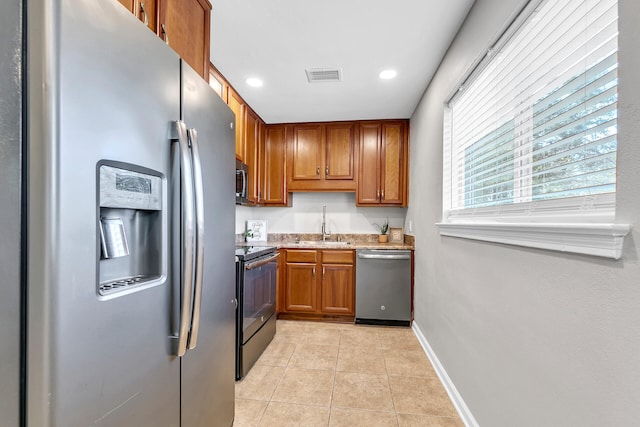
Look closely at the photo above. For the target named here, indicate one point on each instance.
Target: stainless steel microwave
(242, 183)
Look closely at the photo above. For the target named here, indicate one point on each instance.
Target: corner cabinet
(251, 147)
(322, 157)
(272, 166)
(318, 283)
(383, 163)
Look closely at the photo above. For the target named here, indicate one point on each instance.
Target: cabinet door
(393, 160)
(185, 26)
(337, 289)
(273, 182)
(237, 106)
(300, 288)
(368, 191)
(339, 151)
(307, 162)
(145, 10)
(129, 4)
(251, 135)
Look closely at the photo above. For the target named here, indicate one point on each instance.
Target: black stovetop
(246, 253)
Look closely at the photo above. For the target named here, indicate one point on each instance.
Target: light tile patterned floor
(327, 374)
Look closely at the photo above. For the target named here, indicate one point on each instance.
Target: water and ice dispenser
(130, 227)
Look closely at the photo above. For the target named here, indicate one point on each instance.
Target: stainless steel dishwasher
(383, 287)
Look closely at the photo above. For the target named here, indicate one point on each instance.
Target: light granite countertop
(335, 241)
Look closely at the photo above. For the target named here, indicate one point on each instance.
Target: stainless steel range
(256, 294)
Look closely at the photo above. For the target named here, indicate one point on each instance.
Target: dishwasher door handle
(385, 256)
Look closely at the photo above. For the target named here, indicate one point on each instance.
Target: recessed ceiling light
(388, 74)
(254, 82)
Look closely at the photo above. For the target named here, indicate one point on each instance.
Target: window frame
(583, 225)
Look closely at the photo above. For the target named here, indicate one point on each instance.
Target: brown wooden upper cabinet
(238, 107)
(322, 157)
(182, 24)
(272, 166)
(251, 139)
(185, 26)
(145, 10)
(382, 176)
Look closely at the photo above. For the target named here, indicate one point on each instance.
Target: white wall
(529, 337)
(305, 215)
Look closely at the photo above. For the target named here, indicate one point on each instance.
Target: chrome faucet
(324, 224)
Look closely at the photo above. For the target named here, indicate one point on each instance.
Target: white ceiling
(277, 40)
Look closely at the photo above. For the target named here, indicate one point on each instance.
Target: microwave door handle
(184, 258)
(244, 183)
(192, 134)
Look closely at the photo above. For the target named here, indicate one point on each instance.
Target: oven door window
(259, 297)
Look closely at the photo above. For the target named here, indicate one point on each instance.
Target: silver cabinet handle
(382, 195)
(378, 195)
(323, 272)
(144, 12)
(313, 272)
(185, 222)
(165, 34)
(326, 170)
(318, 171)
(192, 135)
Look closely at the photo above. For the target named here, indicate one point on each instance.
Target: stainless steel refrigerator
(117, 218)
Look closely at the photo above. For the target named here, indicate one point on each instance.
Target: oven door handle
(259, 263)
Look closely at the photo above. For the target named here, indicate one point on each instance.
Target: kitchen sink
(321, 243)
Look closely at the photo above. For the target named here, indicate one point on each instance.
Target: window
(530, 137)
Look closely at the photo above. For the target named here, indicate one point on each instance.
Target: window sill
(603, 240)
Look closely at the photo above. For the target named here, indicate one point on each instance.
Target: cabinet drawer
(337, 257)
(301, 255)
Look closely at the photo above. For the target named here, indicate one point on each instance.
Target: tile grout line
(395, 412)
(335, 372)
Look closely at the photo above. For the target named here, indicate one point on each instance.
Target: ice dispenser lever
(113, 238)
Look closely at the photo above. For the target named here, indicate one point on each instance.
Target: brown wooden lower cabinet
(337, 289)
(301, 288)
(318, 283)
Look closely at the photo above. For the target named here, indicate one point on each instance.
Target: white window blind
(533, 131)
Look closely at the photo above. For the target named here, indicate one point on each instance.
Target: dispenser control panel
(121, 188)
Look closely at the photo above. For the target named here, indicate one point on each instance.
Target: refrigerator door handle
(187, 222)
(192, 134)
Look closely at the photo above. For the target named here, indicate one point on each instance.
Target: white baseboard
(462, 408)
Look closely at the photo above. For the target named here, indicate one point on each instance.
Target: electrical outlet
(410, 226)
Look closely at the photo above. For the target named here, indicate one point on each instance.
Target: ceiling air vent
(317, 75)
